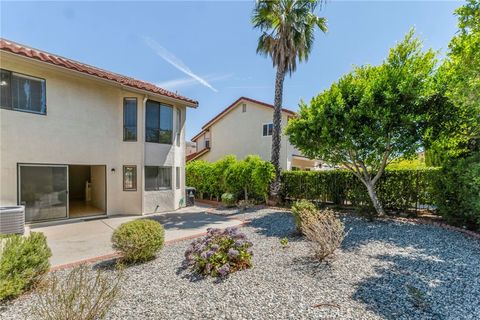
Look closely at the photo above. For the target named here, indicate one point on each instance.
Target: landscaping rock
(384, 270)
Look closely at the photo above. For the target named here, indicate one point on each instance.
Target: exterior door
(43, 190)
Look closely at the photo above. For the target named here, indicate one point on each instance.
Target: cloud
(174, 61)
(249, 87)
(187, 82)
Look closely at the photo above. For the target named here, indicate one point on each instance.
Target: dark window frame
(134, 188)
(44, 87)
(136, 118)
(160, 105)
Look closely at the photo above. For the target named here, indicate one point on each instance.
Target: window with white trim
(267, 129)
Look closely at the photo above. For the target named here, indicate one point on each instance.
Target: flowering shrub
(219, 253)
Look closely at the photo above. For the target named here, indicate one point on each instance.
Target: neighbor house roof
(231, 107)
(197, 154)
(35, 54)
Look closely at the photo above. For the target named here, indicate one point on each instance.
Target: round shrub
(219, 253)
(302, 210)
(23, 261)
(228, 200)
(138, 240)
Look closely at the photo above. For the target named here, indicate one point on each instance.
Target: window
(159, 123)
(179, 126)
(129, 178)
(130, 119)
(177, 177)
(158, 178)
(244, 107)
(207, 144)
(22, 92)
(267, 129)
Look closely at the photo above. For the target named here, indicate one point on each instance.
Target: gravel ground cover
(384, 270)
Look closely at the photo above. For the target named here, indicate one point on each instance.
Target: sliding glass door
(43, 190)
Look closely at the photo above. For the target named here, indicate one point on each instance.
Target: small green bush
(138, 240)
(458, 192)
(82, 295)
(302, 210)
(23, 261)
(228, 200)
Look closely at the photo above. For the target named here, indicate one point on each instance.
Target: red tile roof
(22, 50)
(197, 154)
(230, 107)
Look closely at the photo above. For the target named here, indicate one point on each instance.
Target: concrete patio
(77, 241)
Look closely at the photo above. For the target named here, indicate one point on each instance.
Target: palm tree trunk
(277, 131)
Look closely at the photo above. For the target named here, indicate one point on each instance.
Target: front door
(43, 190)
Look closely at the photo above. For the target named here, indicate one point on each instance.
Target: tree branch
(382, 165)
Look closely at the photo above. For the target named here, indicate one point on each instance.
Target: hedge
(401, 189)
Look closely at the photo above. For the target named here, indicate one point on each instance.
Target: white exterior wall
(84, 125)
(241, 134)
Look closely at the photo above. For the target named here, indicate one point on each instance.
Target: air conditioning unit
(12, 219)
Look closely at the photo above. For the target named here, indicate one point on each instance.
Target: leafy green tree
(251, 175)
(370, 116)
(199, 174)
(458, 80)
(287, 28)
(220, 168)
(263, 174)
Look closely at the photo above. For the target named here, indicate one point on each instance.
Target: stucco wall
(241, 133)
(83, 125)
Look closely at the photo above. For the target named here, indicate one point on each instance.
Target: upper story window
(244, 107)
(158, 123)
(21, 92)
(267, 129)
(207, 143)
(129, 119)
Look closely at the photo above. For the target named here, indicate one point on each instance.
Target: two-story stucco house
(244, 128)
(79, 141)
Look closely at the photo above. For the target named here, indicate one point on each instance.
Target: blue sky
(206, 50)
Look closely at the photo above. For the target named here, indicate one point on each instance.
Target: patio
(72, 242)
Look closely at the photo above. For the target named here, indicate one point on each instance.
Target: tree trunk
(373, 196)
(277, 131)
(245, 193)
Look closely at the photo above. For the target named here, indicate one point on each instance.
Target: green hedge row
(397, 189)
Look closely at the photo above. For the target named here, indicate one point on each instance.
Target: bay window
(159, 123)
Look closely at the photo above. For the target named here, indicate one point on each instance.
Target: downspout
(144, 113)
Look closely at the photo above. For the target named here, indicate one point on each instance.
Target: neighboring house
(80, 141)
(244, 128)
(190, 148)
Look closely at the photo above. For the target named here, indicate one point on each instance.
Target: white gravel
(384, 270)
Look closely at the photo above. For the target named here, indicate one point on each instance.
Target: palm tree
(287, 28)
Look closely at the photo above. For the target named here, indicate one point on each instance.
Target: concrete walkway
(72, 242)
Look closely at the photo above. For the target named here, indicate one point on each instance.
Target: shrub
(325, 233)
(458, 192)
(23, 261)
(397, 189)
(302, 210)
(138, 240)
(219, 253)
(81, 295)
(246, 204)
(228, 200)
